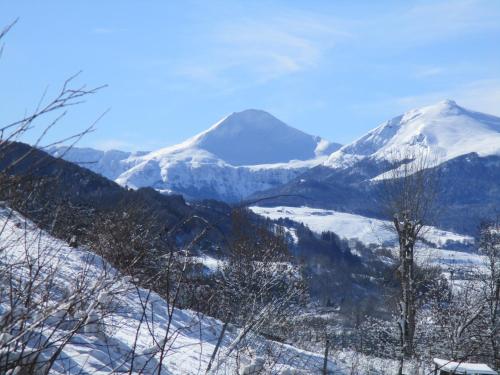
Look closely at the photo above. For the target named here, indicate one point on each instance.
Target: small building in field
(445, 367)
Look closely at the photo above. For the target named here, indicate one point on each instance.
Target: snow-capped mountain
(255, 137)
(444, 130)
(252, 151)
(243, 153)
(464, 145)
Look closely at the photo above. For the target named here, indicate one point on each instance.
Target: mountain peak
(448, 103)
(251, 113)
(445, 129)
(444, 106)
(244, 152)
(248, 118)
(255, 136)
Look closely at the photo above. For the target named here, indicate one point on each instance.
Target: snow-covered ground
(357, 363)
(136, 320)
(351, 226)
(199, 174)
(345, 225)
(375, 231)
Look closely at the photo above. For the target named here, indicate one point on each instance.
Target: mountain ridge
(467, 145)
(242, 153)
(443, 130)
(278, 142)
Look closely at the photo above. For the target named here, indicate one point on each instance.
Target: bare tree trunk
(216, 349)
(325, 360)
(401, 364)
(406, 232)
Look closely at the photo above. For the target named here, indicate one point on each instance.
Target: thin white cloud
(248, 51)
(261, 50)
(417, 24)
(483, 96)
(272, 50)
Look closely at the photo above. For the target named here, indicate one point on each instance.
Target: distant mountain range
(466, 146)
(243, 153)
(253, 155)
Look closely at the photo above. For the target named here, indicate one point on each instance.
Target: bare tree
(489, 285)
(40, 312)
(409, 192)
(260, 287)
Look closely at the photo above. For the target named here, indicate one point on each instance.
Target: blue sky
(330, 68)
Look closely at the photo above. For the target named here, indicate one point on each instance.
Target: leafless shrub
(40, 310)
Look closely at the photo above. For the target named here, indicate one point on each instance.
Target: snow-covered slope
(109, 164)
(124, 325)
(437, 249)
(351, 226)
(243, 153)
(443, 130)
(197, 174)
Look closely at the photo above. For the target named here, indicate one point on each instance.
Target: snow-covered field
(345, 225)
(365, 229)
(374, 231)
(136, 322)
